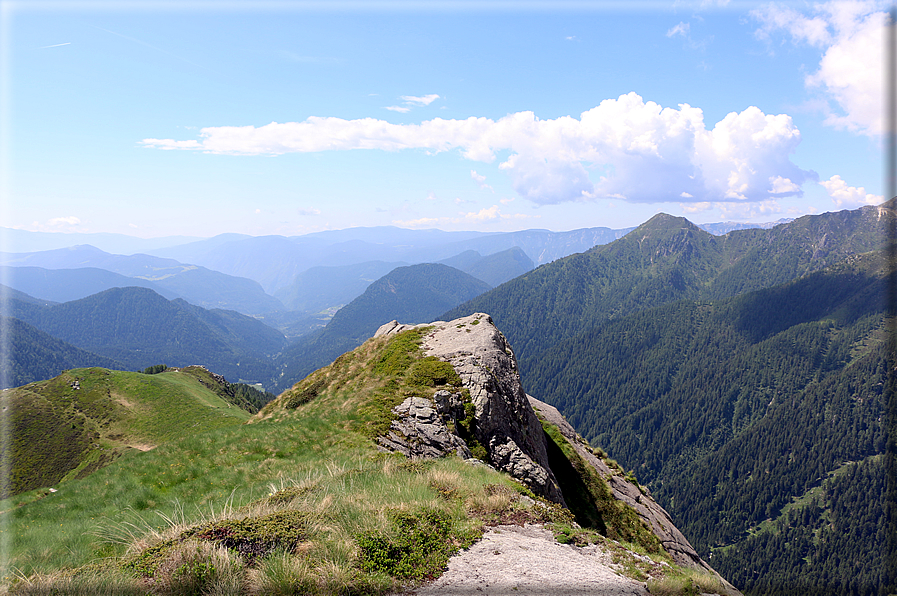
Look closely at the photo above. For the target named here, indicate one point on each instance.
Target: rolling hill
(302, 499)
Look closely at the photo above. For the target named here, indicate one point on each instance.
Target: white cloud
(400, 109)
(748, 211)
(680, 29)
(624, 148)
(695, 207)
(484, 214)
(480, 180)
(783, 187)
(431, 196)
(849, 197)
(420, 101)
(851, 36)
(310, 211)
(56, 224)
(169, 144)
(61, 222)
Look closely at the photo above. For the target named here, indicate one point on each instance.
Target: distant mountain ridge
(666, 259)
(48, 273)
(139, 328)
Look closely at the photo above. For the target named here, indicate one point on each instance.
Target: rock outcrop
(505, 423)
(420, 428)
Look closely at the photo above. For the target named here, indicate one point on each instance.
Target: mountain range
(746, 370)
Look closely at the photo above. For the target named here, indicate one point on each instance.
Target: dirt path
(528, 561)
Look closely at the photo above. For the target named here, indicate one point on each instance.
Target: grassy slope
(302, 492)
(60, 432)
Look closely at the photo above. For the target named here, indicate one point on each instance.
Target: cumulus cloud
(400, 109)
(68, 223)
(623, 148)
(423, 222)
(849, 197)
(486, 215)
(851, 37)
(61, 222)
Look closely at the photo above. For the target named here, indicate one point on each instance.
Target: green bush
(418, 547)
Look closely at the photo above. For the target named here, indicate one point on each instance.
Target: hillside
(35, 355)
(139, 328)
(69, 426)
(307, 498)
(415, 293)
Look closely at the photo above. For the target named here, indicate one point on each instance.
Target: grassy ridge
(348, 492)
(71, 425)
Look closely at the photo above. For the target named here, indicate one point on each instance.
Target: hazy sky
(198, 118)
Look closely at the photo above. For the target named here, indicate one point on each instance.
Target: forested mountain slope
(139, 328)
(663, 260)
(35, 355)
(747, 405)
(740, 370)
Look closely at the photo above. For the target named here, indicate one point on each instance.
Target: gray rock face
(504, 421)
(420, 429)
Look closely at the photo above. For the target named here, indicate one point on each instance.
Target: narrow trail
(528, 561)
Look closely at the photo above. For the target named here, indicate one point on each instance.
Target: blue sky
(157, 118)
